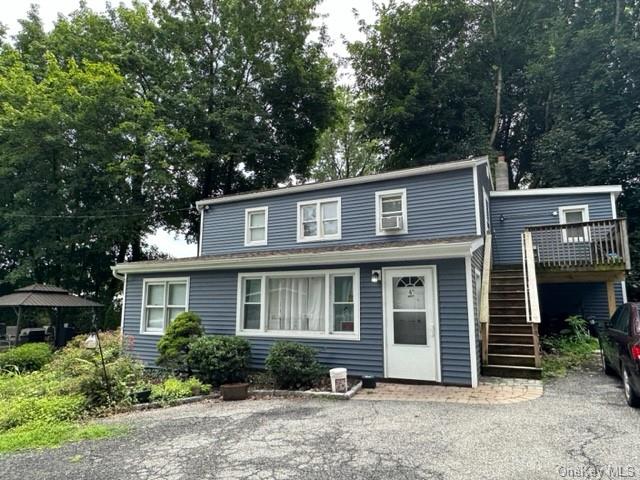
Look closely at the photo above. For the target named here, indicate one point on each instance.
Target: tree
(343, 149)
(424, 94)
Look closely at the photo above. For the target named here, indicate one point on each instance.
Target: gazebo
(44, 296)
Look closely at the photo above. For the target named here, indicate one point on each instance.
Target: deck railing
(598, 244)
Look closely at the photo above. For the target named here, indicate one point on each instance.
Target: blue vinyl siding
(519, 212)
(440, 205)
(213, 296)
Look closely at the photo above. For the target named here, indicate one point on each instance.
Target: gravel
(580, 428)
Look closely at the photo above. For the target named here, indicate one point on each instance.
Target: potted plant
(142, 392)
(222, 360)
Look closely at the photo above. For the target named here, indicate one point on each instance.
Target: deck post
(484, 300)
(611, 298)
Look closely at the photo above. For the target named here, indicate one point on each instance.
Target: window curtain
(296, 304)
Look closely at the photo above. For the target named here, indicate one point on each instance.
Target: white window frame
(319, 220)
(562, 216)
(328, 334)
(161, 281)
(388, 193)
(247, 226)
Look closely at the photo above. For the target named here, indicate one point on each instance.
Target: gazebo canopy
(45, 296)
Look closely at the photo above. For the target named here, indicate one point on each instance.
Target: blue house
(426, 274)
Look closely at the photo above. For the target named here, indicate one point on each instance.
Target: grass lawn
(47, 435)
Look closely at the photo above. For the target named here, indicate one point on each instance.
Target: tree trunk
(498, 86)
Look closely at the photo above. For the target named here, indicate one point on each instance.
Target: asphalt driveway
(580, 428)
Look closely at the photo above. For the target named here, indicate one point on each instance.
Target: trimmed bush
(174, 344)
(220, 359)
(173, 389)
(293, 365)
(27, 357)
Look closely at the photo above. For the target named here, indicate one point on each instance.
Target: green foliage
(174, 344)
(568, 350)
(220, 359)
(52, 408)
(44, 434)
(343, 150)
(173, 389)
(293, 365)
(27, 357)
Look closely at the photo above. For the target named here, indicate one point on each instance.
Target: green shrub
(26, 358)
(174, 388)
(174, 344)
(52, 408)
(293, 365)
(220, 359)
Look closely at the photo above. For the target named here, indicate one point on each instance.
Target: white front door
(411, 323)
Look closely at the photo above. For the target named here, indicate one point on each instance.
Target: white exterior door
(411, 323)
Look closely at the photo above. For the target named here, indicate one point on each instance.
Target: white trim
(473, 352)
(623, 284)
(405, 208)
(124, 299)
(486, 206)
(200, 233)
(328, 334)
(410, 172)
(291, 258)
(247, 236)
(562, 218)
(615, 189)
(476, 200)
(436, 314)
(490, 176)
(165, 281)
(320, 237)
(614, 208)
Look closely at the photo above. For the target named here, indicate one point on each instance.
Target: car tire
(632, 398)
(608, 369)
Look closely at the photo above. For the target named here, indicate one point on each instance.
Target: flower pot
(234, 391)
(142, 396)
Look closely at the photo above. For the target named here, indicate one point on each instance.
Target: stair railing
(532, 302)
(484, 299)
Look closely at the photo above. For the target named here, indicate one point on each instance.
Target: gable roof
(377, 177)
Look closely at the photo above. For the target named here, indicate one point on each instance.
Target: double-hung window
(391, 212)
(572, 215)
(164, 300)
(255, 226)
(319, 220)
(317, 304)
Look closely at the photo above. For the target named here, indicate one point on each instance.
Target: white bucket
(338, 380)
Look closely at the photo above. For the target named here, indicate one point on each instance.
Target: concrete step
(511, 349)
(512, 360)
(511, 372)
(510, 338)
(514, 328)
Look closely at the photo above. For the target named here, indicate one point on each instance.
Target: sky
(337, 15)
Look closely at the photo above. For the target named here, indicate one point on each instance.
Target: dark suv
(620, 346)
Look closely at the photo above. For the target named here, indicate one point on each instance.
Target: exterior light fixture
(501, 218)
(376, 276)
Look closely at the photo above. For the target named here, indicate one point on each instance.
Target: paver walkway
(489, 391)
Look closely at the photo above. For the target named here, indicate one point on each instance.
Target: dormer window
(255, 226)
(319, 220)
(391, 212)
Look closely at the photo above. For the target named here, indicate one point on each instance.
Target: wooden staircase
(513, 342)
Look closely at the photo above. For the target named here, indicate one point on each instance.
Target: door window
(409, 311)
(620, 321)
